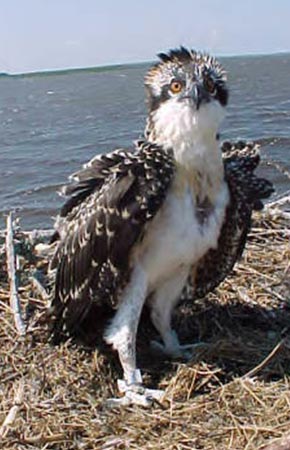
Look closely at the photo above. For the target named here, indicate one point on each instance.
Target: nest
(234, 393)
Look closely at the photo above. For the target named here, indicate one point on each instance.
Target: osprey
(139, 223)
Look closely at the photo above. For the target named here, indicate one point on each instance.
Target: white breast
(176, 237)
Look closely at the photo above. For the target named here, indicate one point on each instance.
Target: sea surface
(52, 123)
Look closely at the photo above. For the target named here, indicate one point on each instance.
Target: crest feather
(176, 55)
(183, 56)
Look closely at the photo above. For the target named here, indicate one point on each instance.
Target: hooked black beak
(197, 95)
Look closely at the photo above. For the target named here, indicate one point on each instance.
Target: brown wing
(111, 201)
(246, 194)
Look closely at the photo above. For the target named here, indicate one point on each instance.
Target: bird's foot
(177, 351)
(135, 394)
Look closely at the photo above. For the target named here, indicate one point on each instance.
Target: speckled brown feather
(111, 201)
(246, 194)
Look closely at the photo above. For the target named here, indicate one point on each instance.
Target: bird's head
(186, 96)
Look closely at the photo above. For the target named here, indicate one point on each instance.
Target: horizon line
(104, 67)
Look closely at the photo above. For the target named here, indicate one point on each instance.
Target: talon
(185, 352)
(135, 394)
(117, 402)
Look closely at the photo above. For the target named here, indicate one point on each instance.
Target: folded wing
(110, 202)
(247, 191)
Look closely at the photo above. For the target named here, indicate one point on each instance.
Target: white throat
(191, 134)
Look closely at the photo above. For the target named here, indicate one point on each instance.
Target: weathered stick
(266, 361)
(11, 416)
(33, 235)
(42, 439)
(274, 212)
(11, 270)
(279, 202)
(280, 444)
(39, 288)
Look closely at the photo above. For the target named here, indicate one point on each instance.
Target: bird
(140, 223)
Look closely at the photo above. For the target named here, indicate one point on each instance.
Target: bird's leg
(162, 305)
(121, 334)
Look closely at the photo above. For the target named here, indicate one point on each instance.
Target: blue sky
(55, 34)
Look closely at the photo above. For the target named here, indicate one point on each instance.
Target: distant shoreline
(106, 68)
(130, 65)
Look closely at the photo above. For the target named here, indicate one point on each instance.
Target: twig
(14, 299)
(263, 363)
(261, 231)
(36, 235)
(280, 444)
(279, 167)
(39, 288)
(11, 416)
(274, 212)
(33, 235)
(279, 202)
(43, 439)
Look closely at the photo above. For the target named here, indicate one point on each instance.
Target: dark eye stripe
(209, 84)
(222, 95)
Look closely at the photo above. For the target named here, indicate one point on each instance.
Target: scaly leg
(122, 333)
(162, 305)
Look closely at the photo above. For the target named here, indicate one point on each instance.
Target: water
(50, 124)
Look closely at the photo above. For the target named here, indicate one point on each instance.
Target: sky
(38, 35)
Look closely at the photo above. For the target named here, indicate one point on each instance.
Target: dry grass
(234, 394)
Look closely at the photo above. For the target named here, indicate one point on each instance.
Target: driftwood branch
(12, 275)
(11, 416)
(279, 202)
(277, 212)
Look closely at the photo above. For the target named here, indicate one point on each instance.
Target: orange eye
(176, 87)
(209, 84)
